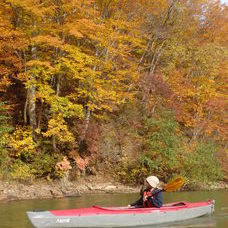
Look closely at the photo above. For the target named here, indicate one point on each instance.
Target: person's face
(147, 185)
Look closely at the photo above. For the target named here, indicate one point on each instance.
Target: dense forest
(120, 87)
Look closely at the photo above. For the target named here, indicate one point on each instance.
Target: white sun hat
(153, 181)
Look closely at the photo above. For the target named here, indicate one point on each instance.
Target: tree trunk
(54, 143)
(26, 107)
(27, 94)
(32, 99)
(87, 120)
(32, 107)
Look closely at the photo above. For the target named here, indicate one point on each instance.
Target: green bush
(44, 164)
(162, 140)
(4, 161)
(131, 172)
(201, 165)
(5, 128)
(162, 145)
(21, 171)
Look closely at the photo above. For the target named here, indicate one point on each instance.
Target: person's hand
(129, 205)
(145, 197)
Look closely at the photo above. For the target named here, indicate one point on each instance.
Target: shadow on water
(13, 214)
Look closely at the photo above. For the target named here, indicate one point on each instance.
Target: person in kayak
(151, 195)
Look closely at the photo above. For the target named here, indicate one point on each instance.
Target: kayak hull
(119, 217)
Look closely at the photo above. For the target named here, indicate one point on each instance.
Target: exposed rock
(110, 188)
(72, 194)
(3, 197)
(91, 171)
(12, 197)
(89, 186)
(57, 189)
(55, 193)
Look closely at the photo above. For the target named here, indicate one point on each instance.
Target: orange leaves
(11, 43)
(82, 163)
(4, 81)
(38, 63)
(28, 6)
(193, 98)
(47, 40)
(64, 165)
(84, 28)
(75, 32)
(215, 27)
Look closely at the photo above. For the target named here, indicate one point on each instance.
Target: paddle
(171, 186)
(174, 185)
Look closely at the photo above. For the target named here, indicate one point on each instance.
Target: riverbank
(12, 190)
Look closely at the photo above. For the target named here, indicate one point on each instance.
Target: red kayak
(120, 216)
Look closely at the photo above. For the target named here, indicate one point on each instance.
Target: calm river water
(13, 214)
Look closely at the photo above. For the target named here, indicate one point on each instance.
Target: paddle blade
(174, 185)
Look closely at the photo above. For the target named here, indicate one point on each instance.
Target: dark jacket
(155, 201)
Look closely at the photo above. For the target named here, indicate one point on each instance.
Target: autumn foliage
(65, 64)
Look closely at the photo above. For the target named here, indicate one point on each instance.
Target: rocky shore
(12, 190)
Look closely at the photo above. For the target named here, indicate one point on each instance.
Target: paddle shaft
(155, 193)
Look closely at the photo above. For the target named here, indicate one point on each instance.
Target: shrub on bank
(167, 153)
(201, 166)
(5, 128)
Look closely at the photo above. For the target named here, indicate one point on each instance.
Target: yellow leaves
(57, 127)
(22, 76)
(38, 74)
(76, 64)
(21, 171)
(89, 26)
(44, 93)
(21, 141)
(63, 106)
